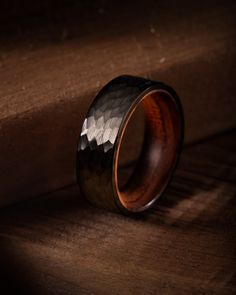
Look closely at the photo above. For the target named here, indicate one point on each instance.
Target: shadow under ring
(101, 137)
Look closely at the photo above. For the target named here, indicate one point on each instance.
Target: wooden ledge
(52, 65)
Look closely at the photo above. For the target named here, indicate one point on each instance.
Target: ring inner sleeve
(158, 155)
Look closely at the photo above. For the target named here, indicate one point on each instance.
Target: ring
(101, 137)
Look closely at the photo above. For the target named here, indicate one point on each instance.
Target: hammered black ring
(101, 137)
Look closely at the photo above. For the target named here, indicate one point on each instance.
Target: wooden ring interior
(159, 152)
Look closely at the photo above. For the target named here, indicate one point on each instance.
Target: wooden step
(54, 58)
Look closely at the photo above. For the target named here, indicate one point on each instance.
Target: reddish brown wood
(163, 139)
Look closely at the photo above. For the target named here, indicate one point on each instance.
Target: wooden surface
(185, 245)
(55, 55)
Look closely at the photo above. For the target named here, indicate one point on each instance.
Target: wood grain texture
(55, 55)
(185, 245)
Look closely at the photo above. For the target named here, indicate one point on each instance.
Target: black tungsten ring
(101, 137)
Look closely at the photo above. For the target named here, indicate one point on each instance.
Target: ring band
(101, 137)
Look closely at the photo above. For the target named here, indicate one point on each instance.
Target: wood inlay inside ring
(159, 151)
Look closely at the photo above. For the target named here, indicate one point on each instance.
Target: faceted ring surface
(101, 138)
